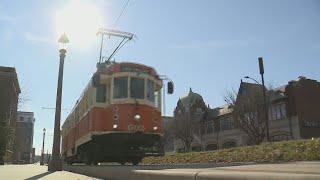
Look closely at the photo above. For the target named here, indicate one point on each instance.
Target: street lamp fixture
(247, 77)
(56, 163)
(63, 41)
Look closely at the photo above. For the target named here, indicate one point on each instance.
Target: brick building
(24, 152)
(293, 114)
(9, 93)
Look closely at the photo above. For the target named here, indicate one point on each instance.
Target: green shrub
(297, 150)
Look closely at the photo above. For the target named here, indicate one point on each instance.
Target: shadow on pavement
(39, 175)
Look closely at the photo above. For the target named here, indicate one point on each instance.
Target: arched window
(211, 147)
(229, 144)
(226, 124)
(198, 111)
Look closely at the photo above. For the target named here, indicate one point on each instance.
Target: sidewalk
(294, 170)
(32, 172)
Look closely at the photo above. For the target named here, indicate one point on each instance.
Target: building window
(199, 111)
(209, 128)
(280, 137)
(150, 90)
(227, 123)
(120, 87)
(211, 147)
(229, 144)
(277, 111)
(196, 148)
(196, 131)
(101, 94)
(137, 88)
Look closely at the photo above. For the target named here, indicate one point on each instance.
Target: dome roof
(191, 98)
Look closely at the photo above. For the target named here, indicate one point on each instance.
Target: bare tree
(6, 135)
(168, 136)
(184, 127)
(249, 112)
(23, 97)
(187, 126)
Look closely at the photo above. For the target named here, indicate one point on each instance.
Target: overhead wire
(114, 25)
(122, 11)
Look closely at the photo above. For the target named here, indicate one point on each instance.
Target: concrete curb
(115, 172)
(250, 172)
(234, 175)
(161, 175)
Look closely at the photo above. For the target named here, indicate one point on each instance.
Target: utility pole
(261, 68)
(170, 91)
(164, 99)
(42, 152)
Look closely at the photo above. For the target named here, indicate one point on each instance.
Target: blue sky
(207, 45)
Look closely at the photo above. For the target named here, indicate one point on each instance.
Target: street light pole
(42, 152)
(261, 68)
(265, 106)
(56, 163)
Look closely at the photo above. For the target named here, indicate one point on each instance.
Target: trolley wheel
(87, 161)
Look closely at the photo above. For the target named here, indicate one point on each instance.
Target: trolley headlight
(155, 128)
(137, 117)
(115, 126)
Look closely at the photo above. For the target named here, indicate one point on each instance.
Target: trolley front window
(137, 88)
(120, 87)
(150, 90)
(101, 93)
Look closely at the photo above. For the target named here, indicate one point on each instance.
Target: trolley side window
(150, 90)
(101, 93)
(120, 87)
(137, 88)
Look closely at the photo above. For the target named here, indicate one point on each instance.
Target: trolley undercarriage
(118, 147)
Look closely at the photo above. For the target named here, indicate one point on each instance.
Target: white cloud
(39, 39)
(213, 44)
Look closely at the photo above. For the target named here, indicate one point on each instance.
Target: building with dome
(292, 114)
(213, 128)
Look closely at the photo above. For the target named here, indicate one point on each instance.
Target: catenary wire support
(126, 37)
